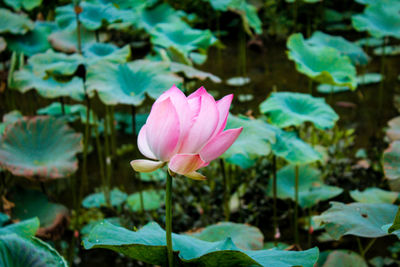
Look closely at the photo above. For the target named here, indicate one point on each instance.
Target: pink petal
(204, 125)
(196, 176)
(223, 106)
(143, 145)
(163, 129)
(144, 165)
(185, 163)
(198, 93)
(219, 144)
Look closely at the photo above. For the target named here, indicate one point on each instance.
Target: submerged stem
(168, 219)
(296, 204)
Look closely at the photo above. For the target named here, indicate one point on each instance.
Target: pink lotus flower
(185, 132)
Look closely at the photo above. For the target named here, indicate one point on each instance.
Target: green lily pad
(374, 195)
(92, 17)
(393, 132)
(343, 258)
(311, 186)
(149, 245)
(114, 82)
(152, 200)
(379, 19)
(163, 13)
(321, 63)
(391, 163)
(33, 203)
(279, 245)
(238, 81)
(352, 50)
(25, 4)
(255, 141)
(40, 148)
(182, 37)
(103, 51)
(366, 78)
(72, 112)
(26, 228)
(48, 87)
(67, 40)
(14, 23)
(193, 73)
(89, 227)
(294, 150)
(370, 41)
(244, 236)
(389, 50)
(293, 109)
(55, 63)
(98, 200)
(34, 41)
(358, 219)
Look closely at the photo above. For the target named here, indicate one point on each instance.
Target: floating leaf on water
(358, 219)
(255, 141)
(374, 195)
(34, 41)
(149, 245)
(104, 51)
(245, 237)
(293, 109)
(391, 163)
(98, 200)
(389, 50)
(14, 23)
(342, 258)
(311, 186)
(238, 81)
(193, 73)
(40, 148)
(152, 200)
(114, 82)
(291, 148)
(321, 63)
(25, 4)
(48, 87)
(370, 41)
(380, 19)
(352, 50)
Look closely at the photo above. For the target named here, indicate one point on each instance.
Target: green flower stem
(274, 191)
(112, 132)
(226, 190)
(363, 251)
(168, 219)
(296, 205)
(78, 29)
(106, 189)
(107, 149)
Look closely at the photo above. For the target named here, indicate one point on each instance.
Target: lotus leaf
(396, 222)
(294, 150)
(128, 83)
(157, 175)
(391, 163)
(393, 132)
(389, 50)
(149, 245)
(244, 236)
(88, 227)
(103, 51)
(14, 23)
(72, 112)
(34, 41)
(40, 148)
(55, 63)
(255, 141)
(26, 4)
(26, 79)
(193, 73)
(33, 203)
(366, 78)
(3, 44)
(358, 219)
(370, 41)
(379, 19)
(97, 200)
(92, 16)
(67, 40)
(182, 37)
(329, 89)
(343, 258)
(305, 1)
(163, 13)
(238, 81)
(374, 195)
(4, 218)
(293, 109)
(9, 118)
(152, 200)
(321, 63)
(311, 187)
(353, 51)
